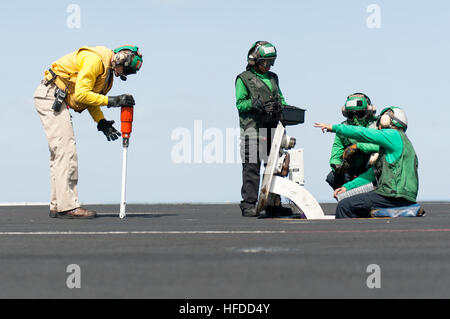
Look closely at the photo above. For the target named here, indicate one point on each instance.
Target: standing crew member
(79, 80)
(395, 171)
(350, 158)
(258, 100)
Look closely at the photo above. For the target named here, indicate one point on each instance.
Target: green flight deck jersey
(396, 170)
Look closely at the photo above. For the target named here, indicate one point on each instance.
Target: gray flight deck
(210, 251)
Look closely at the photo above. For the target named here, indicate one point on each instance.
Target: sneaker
(249, 212)
(373, 212)
(421, 212)
(76, 213)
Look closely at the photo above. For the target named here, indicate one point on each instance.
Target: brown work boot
(76, 213)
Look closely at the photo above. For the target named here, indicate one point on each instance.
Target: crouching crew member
(350, 158)
(394, 172)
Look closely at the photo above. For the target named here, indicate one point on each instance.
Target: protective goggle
(360, 114)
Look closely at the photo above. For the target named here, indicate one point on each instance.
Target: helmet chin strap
(403, 124)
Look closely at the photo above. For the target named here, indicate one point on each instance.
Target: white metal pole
(124, 183)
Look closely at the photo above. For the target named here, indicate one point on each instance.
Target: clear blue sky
(193, 51)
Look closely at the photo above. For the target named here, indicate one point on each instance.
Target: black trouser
(359, 206)
(250, 184)
(251, 172)
(336, 180)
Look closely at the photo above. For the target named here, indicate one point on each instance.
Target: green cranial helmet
(262, 51)
(358, 109)
(131, 59)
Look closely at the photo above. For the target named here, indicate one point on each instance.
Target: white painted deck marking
(225, 232)
(213, 232)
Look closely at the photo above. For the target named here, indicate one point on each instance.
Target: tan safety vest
(66, 70)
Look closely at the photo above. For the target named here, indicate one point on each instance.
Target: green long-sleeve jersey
(358, 163)
(388, 139)
(341, 143)
(243, 99)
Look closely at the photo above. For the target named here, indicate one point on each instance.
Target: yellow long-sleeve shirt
(87, 76)
(90, 66)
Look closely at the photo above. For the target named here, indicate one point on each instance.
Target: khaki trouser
(63, 154)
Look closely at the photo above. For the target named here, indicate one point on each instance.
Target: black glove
(340, 169)
(273, 107)
(106, 127)
(121, 100)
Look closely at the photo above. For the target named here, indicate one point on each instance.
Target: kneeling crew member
(350, 158)
(395, 171)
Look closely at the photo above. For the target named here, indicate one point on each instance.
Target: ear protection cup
(253, 53)
(385, 121)
(344, 111)
(251, 60)
(371, 109)
(136, 62)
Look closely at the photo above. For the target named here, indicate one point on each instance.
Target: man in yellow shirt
(79, 80)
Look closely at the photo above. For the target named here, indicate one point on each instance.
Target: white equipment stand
(282, 161)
